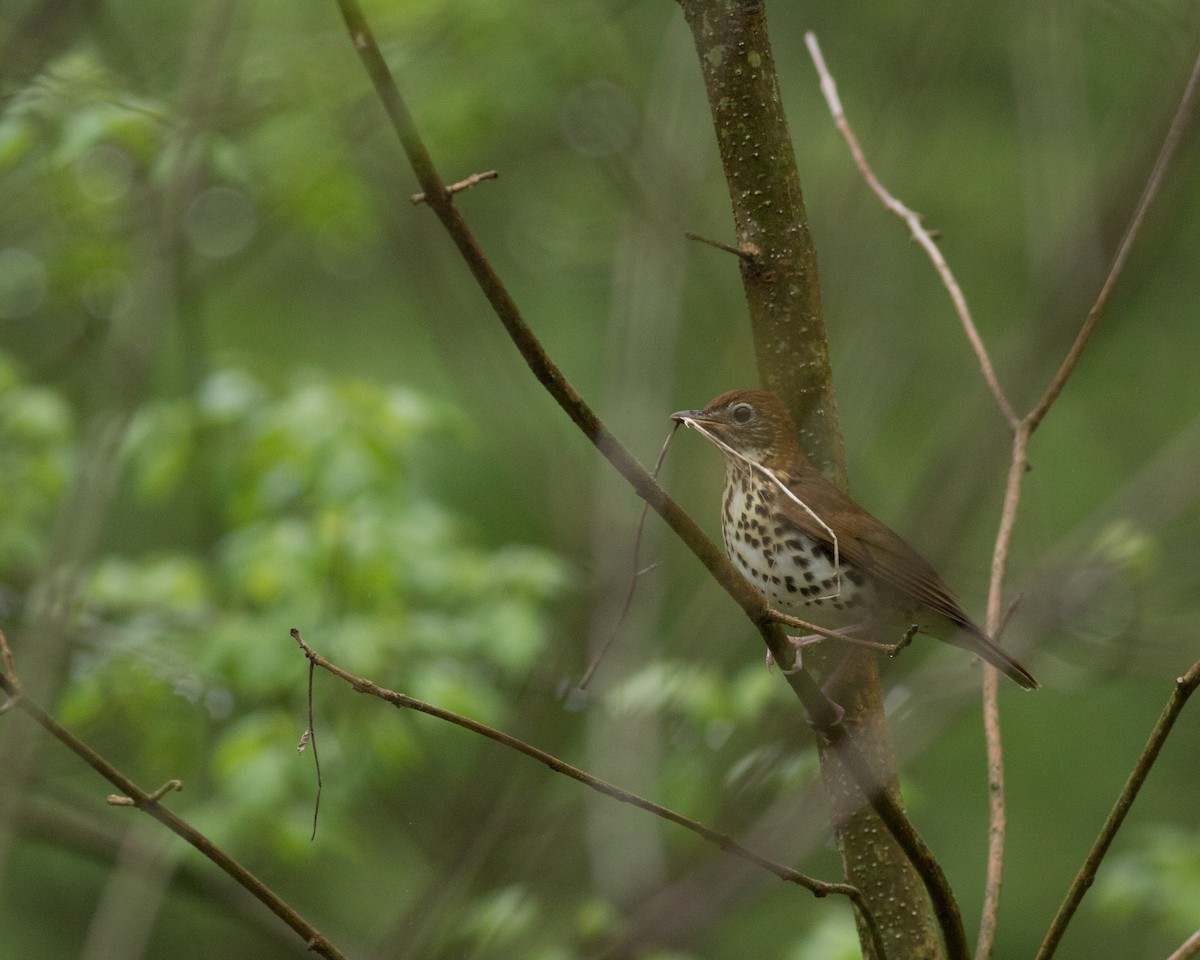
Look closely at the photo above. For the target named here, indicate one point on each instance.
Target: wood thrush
(813, 551)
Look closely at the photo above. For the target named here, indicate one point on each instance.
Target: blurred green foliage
(1157, 881)
(246, 386)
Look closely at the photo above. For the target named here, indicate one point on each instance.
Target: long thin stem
(821, 712)
(1165, 155)
(1188, 949)
(819, 888)
(915, 227)
(1185, 686)
(997, 817)
(1023, 429)
(148, 802)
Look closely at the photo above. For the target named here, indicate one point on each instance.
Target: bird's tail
(972, 637)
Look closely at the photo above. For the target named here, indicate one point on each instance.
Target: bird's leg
(799, 643)
(804, 640)
(822, 730)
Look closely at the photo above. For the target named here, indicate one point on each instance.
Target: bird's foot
(827, 723)
(799, 643)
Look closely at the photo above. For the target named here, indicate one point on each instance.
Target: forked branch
(1022, 427)
(148, 802)
(821, 712)
(819, 888)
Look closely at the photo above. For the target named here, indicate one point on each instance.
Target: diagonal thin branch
(915, 227)
(1165, 155)
(1185, 686)
(819, 888)
(1023, 429)
(1188, 949)
(148, 803)
(823, 715)
(1016, 474)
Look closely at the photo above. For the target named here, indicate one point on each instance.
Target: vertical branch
(1023, 429)
(889, 853)
(997, 818)
(781, 283)
(779, 275)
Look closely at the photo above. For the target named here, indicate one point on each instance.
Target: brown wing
(869, 544)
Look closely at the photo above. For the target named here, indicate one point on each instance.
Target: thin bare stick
(119, 800)
(747, 251)
(634, 576)
(1016, 473)
(989, 915)
(1165, 154)
(823, 714)
(1022, 431)
(1185, 686)
(310, 736)
(148, 803)
(915, 227)
(818, 888)
(1188, 949)
(891, 649)
(459, 187)
(997, 818)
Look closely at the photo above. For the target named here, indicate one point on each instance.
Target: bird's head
(753, 423)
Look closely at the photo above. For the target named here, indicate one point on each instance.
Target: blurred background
(246, 385)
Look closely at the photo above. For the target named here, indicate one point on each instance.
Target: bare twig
(119, 800)
(818, 888)
(989, 914)
(824, 715)
(1188, 949)
(891, 649)
(1185, 686)
(1017, 469)
(148, 803)
(915, 227)
(310, 736)
(1165, 154)
(747, 251)
(1023, 429)
(635, 576)
(459, 187)
(997, 818)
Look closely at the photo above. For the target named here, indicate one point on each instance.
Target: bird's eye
(742, 413)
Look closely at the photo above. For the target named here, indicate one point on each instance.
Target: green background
(246, 385)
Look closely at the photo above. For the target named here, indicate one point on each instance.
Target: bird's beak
(688, 417)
